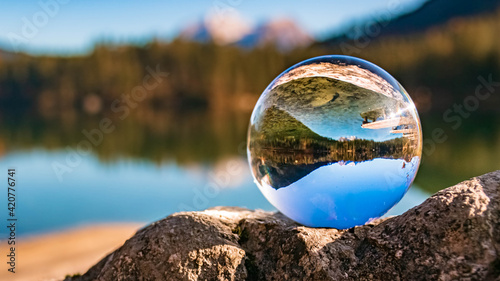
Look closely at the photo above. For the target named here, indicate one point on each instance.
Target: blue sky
(75, 25)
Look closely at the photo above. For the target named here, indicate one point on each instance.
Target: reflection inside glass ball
(334, 141)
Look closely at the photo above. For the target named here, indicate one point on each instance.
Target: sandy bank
(52, 256)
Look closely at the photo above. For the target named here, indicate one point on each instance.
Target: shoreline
(53, 255)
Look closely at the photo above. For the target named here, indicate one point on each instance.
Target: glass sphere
(334, 141)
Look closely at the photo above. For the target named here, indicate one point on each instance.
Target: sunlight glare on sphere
(334, 141)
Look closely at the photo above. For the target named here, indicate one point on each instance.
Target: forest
(199, 111)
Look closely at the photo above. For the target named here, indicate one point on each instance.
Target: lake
(144, 171)
(131, 190)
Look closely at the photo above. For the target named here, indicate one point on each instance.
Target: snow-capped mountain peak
(230, 28)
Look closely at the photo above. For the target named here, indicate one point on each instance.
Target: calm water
(131, 190)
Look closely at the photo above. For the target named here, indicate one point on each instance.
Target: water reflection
(132, 186)
(143, 172)
(204, 138)
(123, 191)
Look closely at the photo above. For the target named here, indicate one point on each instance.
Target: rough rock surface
(454, 235)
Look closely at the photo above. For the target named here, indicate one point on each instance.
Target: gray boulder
(453, 235)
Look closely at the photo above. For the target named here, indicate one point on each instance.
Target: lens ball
(334, 141)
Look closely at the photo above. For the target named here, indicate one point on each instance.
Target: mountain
(221, 29)
(283, 33)
(431, 14)
(232, 29)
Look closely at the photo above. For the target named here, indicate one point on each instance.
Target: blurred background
(128, 111)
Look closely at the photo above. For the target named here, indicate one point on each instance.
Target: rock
(453, 235)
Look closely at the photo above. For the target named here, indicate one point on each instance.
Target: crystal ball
(334, 141)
